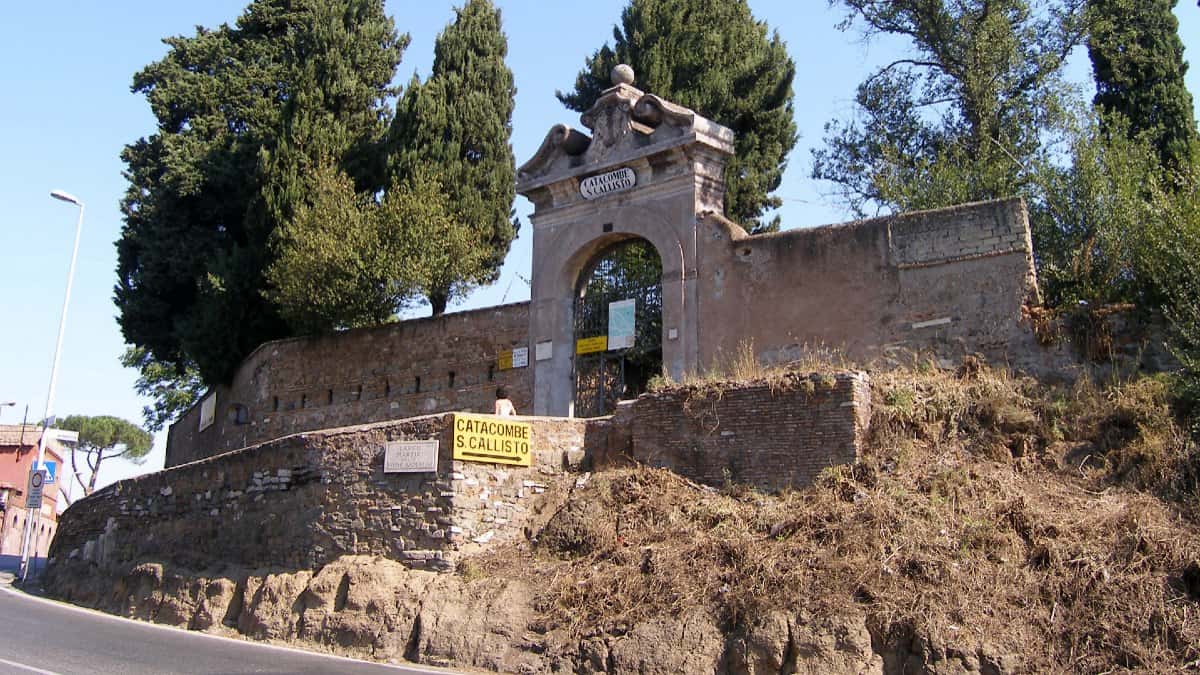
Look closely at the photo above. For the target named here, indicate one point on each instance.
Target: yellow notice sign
(592, 344)
(505, 360)
(487, 438)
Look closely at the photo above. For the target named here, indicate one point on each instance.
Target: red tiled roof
(11, 435)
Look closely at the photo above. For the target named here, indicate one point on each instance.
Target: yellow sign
(487, 438)
(592, 344)
(505, 360)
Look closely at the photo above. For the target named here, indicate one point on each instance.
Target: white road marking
(31, 669)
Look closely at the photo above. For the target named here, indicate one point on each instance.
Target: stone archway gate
(648, 170)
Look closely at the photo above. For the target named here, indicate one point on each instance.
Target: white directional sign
(33, 496)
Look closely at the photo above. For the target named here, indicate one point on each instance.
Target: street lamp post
(7, 404)
(32, 516)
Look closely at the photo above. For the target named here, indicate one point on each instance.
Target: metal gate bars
(618, 326)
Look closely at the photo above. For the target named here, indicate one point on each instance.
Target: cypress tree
(458, 124)
(1137, 61)
(243, 112)
(711, 56)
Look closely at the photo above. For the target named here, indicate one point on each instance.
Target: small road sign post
(33, 497)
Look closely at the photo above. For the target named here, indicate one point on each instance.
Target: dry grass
(1060, 525)
(745, 366)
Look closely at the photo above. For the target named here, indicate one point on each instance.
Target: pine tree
(711, 56)
(1137, 61)
(458, 124)
(104, 437)
(243, 112)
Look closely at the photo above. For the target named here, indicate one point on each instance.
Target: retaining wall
(303, 500)
(773, 436)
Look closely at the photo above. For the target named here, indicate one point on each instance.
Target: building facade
(18, 452)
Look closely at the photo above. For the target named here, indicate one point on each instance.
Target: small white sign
(607, 183)
(520, 357)
(410, 456)
(543, 351)
(621, 322)
(208, 412)
(64, 435)
(930, 324)
(33, 497)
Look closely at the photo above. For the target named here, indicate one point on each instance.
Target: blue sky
(67, 112)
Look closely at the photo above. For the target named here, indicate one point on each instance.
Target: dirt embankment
(995, 526)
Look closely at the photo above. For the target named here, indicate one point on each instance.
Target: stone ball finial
(622, 74)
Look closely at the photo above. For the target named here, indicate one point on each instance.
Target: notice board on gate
(487, 438)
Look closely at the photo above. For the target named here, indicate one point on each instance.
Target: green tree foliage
(459, 123)
(1170, 259)
(347, 261)
(243, 112)
(105, 437)
(1088, 214)
(173, 389)
(1137, 61)
(1095, 226)
(715, 58)
(964, 116)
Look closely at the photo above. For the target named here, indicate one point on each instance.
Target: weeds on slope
(1057, 524)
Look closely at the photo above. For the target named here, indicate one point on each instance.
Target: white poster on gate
(621, 324)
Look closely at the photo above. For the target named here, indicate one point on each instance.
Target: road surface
(46, 637)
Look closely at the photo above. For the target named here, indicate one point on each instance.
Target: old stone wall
(940, 283)
(773, 435)
(389, 372)
(300, 501)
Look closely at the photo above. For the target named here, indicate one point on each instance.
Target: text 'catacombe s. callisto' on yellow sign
(485, 438)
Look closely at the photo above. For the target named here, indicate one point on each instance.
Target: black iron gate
(607, 367)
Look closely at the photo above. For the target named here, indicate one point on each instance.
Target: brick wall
(300, 501)
(772, 436)
(939, 283)
(389, 372)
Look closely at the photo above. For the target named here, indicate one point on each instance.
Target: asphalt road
(47, 637)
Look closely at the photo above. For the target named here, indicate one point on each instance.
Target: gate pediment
(645, 168)
(625, 123)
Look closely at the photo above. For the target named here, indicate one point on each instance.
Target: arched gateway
(618, 326)
(612, 212)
